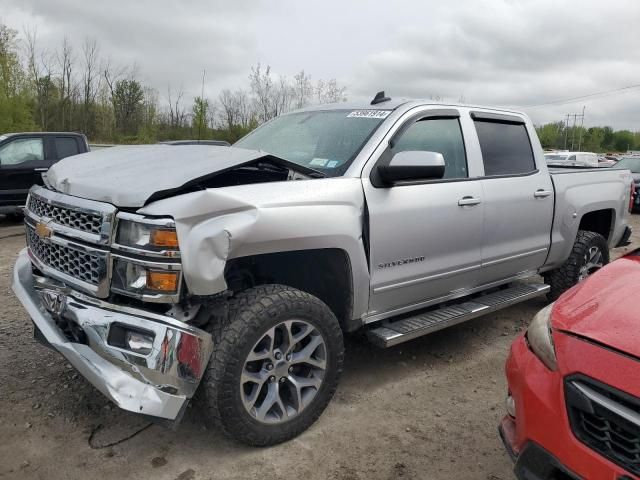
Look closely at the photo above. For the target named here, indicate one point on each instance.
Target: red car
(574, 383)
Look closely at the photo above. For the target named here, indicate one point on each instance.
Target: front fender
(215, 225)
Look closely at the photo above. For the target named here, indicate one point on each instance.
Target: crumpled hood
(604, 308)
(129, 176)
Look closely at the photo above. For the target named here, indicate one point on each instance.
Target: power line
(606, 93)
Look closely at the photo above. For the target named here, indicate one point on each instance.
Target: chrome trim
(100, 290)
(156, 298)
(157, 222)
(91, 207)
(605, 402)
(158, 384)
(168, 254)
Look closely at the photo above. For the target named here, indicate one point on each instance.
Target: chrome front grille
(69, 239)
(87, 267)
(73, 218)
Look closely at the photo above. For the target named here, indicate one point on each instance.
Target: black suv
(23, 158)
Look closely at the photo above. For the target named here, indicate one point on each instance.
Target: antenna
(202, 109)
(379, 98)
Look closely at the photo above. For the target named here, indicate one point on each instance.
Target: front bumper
(539, 439)
(158, 384)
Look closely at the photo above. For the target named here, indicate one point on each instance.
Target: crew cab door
(425, 237)
(518, 198)
(22, 161)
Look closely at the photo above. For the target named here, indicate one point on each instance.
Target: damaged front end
(104, 289)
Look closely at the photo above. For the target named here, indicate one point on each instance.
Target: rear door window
(506, 148)
(66, 147)
(21, 150)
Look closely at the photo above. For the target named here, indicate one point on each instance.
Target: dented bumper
(158, 383)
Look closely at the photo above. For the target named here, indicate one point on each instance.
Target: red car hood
(604, 308)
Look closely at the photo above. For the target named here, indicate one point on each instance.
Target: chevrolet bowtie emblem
(43, 230)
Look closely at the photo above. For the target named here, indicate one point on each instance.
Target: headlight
(540, 339)
(145, 280)
(158, 235)
(148, 274)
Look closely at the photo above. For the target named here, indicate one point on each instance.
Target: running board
(395, 332)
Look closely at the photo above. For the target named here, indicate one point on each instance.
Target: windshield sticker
(319, 162)
(333, 164)
(369, 114)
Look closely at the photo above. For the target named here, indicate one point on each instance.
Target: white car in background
(572, 159)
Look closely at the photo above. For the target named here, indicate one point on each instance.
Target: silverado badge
(43, 231)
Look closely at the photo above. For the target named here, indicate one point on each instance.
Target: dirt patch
(426, 409)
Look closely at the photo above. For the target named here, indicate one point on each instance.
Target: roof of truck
(13, 134)
(394, 103)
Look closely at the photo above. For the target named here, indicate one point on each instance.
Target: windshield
(326, 140)
(555, 158)
(629, 163)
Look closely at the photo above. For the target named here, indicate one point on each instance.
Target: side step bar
(394, 332)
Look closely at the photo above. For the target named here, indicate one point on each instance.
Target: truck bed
(579, 190)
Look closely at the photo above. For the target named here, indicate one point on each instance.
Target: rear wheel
(590, 253)
(275, 366)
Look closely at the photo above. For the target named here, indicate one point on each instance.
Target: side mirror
(412, 165)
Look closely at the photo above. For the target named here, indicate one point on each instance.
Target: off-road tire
(251, 314)
(566, 276)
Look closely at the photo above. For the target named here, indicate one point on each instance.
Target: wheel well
(324, 273)
(599, 221)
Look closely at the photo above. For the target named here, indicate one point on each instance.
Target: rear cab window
(66, 147)
(505, 145)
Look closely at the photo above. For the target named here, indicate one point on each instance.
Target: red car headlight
(540, 339)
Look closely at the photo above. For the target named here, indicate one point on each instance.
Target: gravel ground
(427, 409)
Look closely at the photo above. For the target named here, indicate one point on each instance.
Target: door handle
(42, 169)
(542, 193)
(469, 201)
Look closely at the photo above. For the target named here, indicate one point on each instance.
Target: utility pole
(581, 127)
(575, 117)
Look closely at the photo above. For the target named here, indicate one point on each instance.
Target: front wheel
(590, 253)
(275, 366)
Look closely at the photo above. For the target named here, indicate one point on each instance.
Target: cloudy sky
(498, 52)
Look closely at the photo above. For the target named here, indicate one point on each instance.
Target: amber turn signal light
(164, 238)
(162, 281)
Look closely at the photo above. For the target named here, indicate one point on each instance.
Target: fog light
(510, 405)
(139, 342)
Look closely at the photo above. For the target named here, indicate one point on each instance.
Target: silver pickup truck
(230, 274)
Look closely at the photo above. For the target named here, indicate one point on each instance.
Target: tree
(65, 61)
(200, 119)
(15, 107)
(177, 115)
(41, 77)
(330, 92)
(262, 89)
(127, 99)
(551, 135)
(90, 85)
(302, 90)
